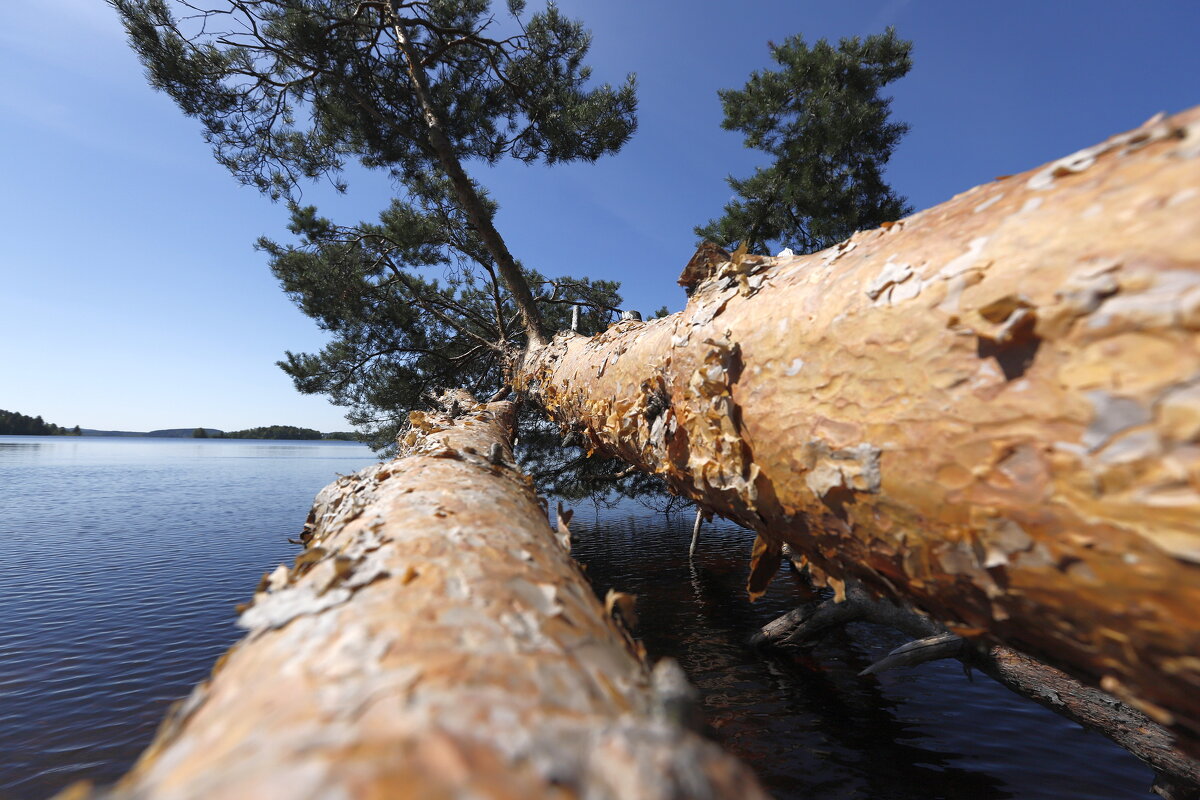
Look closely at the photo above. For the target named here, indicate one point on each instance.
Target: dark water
(121, 562)
(807, 723)
(123, 558)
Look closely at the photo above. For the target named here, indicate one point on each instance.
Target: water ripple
(124, 559)
(123, 562)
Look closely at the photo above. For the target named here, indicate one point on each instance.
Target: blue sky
(131, 296)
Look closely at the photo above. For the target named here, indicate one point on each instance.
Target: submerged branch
(1096, 710)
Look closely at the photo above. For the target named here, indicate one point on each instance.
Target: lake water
(805, 721)
(123, 560)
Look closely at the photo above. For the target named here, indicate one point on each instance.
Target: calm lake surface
(123, 560)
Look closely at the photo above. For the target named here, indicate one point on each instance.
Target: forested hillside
(13, 423)
(273, 432)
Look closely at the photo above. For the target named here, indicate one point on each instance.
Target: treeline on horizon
(13, 423)
(278, 432)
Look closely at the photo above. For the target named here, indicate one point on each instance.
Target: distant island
(16, 424)
(274, 432)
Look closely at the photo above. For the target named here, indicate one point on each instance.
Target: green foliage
(289, 90)
(273, 432)
(407, 310)
(822, 120)
(199, 433)
(13, 423)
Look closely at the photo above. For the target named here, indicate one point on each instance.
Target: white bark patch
(1153, 130)
(960, 558)
(892, 274)
(278, 579)
(1098, 266)
(1081, 294)
(991, 201)
(968, 260)
(541, 597)
(1111, 415)
(1182, 196)
(1158, 306)
(956, 286)
(1130, 448)
(1013, 323)
(658, 432)
(1068, 165)
(706, 314)
(855, 468)
(837, 251)
(1004, 538)
(1179, 544)
(372, 570)
(904, 291)
(987, 376)
(824, 477)
(279, 608)
(526, 631)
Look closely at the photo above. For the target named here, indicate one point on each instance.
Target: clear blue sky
(131, 296)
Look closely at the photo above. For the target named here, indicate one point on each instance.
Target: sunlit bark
(990, 410)
(434, 639)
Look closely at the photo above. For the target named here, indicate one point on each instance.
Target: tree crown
(428, 297)
(288, 90)
(822, 120)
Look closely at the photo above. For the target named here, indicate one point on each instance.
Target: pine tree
(822, 120)
(430, 296)
(289, 90)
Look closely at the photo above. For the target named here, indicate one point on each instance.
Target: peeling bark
(990, 410)
(434, 639)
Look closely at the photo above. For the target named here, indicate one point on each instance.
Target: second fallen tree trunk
(434, 639)
(990, 410)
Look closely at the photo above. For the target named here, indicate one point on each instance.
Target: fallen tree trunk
(990, 410)
(434, 639)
